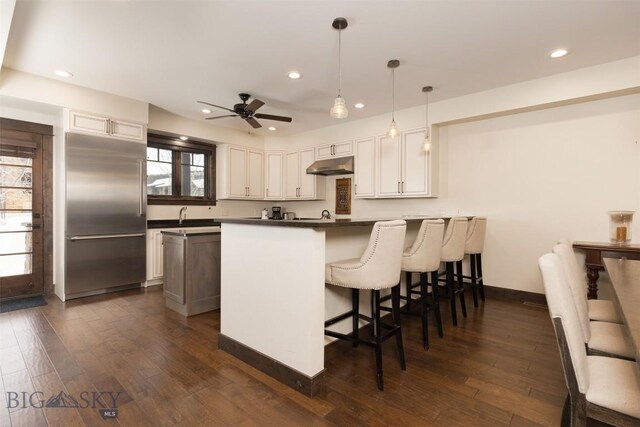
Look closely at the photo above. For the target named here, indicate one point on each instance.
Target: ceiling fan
(247, 111)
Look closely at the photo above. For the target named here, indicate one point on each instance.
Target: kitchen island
(274, 300)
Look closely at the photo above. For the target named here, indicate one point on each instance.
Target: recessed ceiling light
(184, 138)
(294, 75)
(206, 111)
(359, 105)
(558, 53)
(271, 128)
(62, 73)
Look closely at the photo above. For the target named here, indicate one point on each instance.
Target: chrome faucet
(182, 215)
(326, 214)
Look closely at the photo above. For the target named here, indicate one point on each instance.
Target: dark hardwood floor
(499, 367)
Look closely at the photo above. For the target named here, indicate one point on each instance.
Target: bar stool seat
(603, 310)
(614, 385)
(423, 257)
(377, 269)
(610, 338)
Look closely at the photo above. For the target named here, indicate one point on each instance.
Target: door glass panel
(15, 221)
(15, 176)
(11, 198)
(7, 160)
(13, 265)
(15, 243)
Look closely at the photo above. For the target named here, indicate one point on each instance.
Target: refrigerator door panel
(104, 262)
(105, 185)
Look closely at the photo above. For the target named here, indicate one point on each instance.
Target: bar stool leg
(463, 303)
(425, 310)
(408, 284)
(377, 333)
(355, 300)
(474, 278)
(395, 302)
(436, 302)
(481, 280)
(451, 292)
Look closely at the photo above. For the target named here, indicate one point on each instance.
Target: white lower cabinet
(154, 256)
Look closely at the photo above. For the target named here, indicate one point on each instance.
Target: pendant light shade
(426, 145)
(339, 109)
(393, 127)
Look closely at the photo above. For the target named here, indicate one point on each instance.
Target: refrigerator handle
(142, 205)
(105, 236)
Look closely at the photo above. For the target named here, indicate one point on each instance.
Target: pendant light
(426, 145)
(393, 128)
(339, 109)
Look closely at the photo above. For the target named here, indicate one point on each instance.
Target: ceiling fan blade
(254, 105)
(220, 117)
(253, 122)
(217, 106)
(271, 117)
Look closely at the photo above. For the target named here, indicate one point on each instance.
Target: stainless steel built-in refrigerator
(105, 247)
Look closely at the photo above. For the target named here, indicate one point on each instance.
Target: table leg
(593, 275)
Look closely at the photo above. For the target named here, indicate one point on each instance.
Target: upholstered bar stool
(378, 268)
(473, 247)
(452, 253)
(597, 309)
(423, 257)
(601, 338)
(602, 388)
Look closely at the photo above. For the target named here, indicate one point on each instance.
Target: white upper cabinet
(299, 185)
(388, 173)
(364, 168)
(341, 149)
(241, 173)
(403, 168)
(274, 175)
(104, 126)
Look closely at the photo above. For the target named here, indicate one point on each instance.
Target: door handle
(105, 236)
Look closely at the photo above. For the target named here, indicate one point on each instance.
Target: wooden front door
(22, 260)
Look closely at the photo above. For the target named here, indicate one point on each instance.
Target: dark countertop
(327, 223)
(182, 232)
(174, 223)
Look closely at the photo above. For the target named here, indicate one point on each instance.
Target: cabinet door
(274, 175)
(307, 182)
(292, 174)
(127, 130)
(388, 165)
(343, 149)
(88, 123)
(415, 164)
(237, 174)
(325, 151)
(255, 174)
(158, 249)
(365, 170)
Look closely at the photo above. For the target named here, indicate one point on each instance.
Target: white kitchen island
(274, 301)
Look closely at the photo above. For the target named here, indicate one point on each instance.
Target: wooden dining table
(625, 279)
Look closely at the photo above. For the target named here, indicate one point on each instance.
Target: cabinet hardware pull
(355, 189)
(108, 127)
(267, 192)
(399, 190)
(113, 127)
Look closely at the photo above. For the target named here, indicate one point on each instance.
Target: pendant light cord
(339, 62)
(393, 93)
(426, 118)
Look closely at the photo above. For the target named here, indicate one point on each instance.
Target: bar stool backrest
(566, 323)
(454, 240)
(567, 258)
(424, 254)
(476, 232)
(383, 257)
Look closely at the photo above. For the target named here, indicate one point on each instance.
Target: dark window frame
(178, 147)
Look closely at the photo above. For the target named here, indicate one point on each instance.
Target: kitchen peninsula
(274, 300)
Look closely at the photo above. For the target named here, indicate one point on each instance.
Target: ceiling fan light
(339, 109)
(393, 129)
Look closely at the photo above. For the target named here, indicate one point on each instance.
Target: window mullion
(177, 182)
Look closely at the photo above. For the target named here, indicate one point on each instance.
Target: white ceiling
(173, 53)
